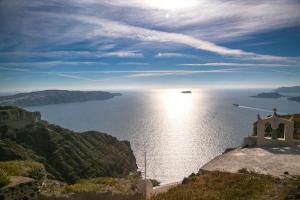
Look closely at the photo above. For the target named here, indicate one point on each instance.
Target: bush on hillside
(4, 179)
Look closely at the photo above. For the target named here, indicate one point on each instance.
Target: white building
(268, 133)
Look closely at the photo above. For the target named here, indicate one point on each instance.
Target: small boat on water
(186, 92)
(235, 104)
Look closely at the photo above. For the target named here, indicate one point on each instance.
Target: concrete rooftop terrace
(274, 161)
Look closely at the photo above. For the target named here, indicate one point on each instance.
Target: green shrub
(105, 181)
(155, 182)
(4, 179)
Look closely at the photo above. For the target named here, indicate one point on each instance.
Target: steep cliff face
(66, 154)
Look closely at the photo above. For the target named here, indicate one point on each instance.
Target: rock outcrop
(18, 118)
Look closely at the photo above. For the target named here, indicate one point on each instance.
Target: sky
(145, 44)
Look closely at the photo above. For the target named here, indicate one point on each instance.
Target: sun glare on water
(176, 104)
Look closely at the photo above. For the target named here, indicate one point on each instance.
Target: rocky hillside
(66, 154)
(48, 97)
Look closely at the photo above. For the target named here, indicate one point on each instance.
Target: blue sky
(140, 44)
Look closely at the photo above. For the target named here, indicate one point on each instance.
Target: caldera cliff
(66, 155)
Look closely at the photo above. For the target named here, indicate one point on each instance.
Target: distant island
(274, 95)
(277, 93)
(186, 92)
(293, 89)
(48, 97)
(297, 99)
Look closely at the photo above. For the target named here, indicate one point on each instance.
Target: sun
(172, 5)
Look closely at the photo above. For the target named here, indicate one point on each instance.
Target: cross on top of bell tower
(275, 110)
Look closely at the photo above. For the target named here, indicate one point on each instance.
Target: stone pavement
(274, 161)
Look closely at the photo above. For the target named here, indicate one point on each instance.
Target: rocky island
(274, 95)
(48, 97)
(295, 90)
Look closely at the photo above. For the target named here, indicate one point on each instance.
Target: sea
(176, 132)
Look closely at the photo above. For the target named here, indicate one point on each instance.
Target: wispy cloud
(106, 47)
(179, 72)
(45, 64)
(14, 69)
(67, 34)
(73, 77)
(77, 54)
(175, 55)
(241, 64)
(123, 54)
(146, 73)
(258, 44)
(114, 29)
(208, 19)
(185, 25)
(133, 63)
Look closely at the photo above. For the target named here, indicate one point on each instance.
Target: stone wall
(20, 188)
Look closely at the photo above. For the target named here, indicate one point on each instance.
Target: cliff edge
(66, 155)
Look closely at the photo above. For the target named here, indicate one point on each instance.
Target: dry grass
(96, 184)
(229, 186)
(20, 167)
(101, 184)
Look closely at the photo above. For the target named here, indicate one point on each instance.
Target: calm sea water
(179, 132)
